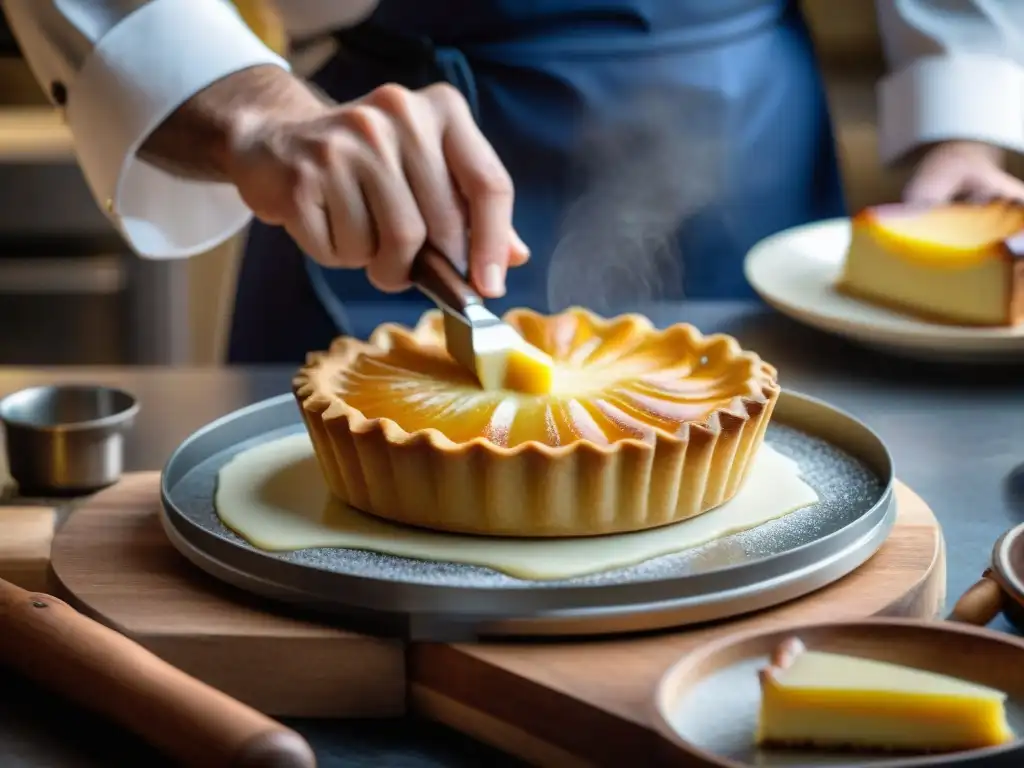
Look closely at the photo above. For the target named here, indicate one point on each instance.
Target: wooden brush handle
(48, 641)
(437, 277)
(979, 604)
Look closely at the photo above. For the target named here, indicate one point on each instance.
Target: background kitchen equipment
(69, 282)
(1001, 586)
(66, 439)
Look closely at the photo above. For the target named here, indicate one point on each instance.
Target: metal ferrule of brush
(465, 332)
(463, 308)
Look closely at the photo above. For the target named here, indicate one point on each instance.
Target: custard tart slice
(957, 264)
(640, 427)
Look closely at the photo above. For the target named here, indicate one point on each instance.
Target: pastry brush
(474, 336)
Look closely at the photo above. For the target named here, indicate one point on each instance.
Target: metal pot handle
(979, 604)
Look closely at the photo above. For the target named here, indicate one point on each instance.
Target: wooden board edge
(320, 684)
(468, 694)
(927, 598)
(478, 689)
(321, 690)
(479, 707)
(485, 728)
(26, 537)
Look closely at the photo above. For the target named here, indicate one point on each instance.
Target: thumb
(995, 183)
(934, 183)
(519, 252)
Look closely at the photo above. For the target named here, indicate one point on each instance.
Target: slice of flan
(827, 701)
(958, 264)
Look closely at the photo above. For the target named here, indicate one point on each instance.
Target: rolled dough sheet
(275, 497)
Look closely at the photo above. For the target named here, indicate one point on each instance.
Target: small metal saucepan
(1001, 587)
(64, 440)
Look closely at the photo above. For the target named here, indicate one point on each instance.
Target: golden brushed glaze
(954, 225)
(955, 235)
(957, 264)
(642, 427)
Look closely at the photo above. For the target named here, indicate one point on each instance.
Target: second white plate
(795, 271)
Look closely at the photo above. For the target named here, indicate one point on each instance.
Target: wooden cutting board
(26, 535)
(590, 703)
(27, 528)
(552, 703)
(112, 561)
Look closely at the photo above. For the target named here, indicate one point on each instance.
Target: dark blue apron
(651, 142)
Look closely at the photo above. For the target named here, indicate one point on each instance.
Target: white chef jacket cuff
(139, 73)
(968, 98)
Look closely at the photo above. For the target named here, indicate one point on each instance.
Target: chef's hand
(365, 184)
(962, 170)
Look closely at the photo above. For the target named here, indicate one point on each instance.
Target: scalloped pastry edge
(424, 479)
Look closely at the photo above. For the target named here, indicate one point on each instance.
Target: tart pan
(843, 459)
(706, 705)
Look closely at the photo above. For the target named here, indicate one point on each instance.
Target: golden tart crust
(643, 428)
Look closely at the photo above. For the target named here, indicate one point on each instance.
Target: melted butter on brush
(519, 368)
(497, 353)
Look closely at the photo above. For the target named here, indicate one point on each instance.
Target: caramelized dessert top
(954, 233)
(612, 380)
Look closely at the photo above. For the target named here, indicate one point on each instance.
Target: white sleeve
(119, 68)
(957, 73)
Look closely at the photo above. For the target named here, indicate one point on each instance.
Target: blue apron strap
(454, 65)
(420, 61)
(331, 303)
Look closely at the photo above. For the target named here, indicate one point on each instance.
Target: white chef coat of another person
(184, 123)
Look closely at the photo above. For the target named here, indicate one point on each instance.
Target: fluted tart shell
(644, 427)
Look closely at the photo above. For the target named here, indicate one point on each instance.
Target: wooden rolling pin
(48, 641)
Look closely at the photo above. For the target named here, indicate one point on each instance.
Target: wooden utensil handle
(47, 640)
(979, 604)
(437, 277)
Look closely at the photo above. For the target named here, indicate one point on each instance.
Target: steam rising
(644, 172)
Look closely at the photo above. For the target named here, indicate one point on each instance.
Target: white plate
(795, 270)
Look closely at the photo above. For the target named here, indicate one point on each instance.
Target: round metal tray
(846, 463)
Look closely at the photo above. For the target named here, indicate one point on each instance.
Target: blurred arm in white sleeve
(957, 74)
(119, 68)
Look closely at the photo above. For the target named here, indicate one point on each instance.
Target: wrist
(262, 98)
(201, 137)
(970, 150)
